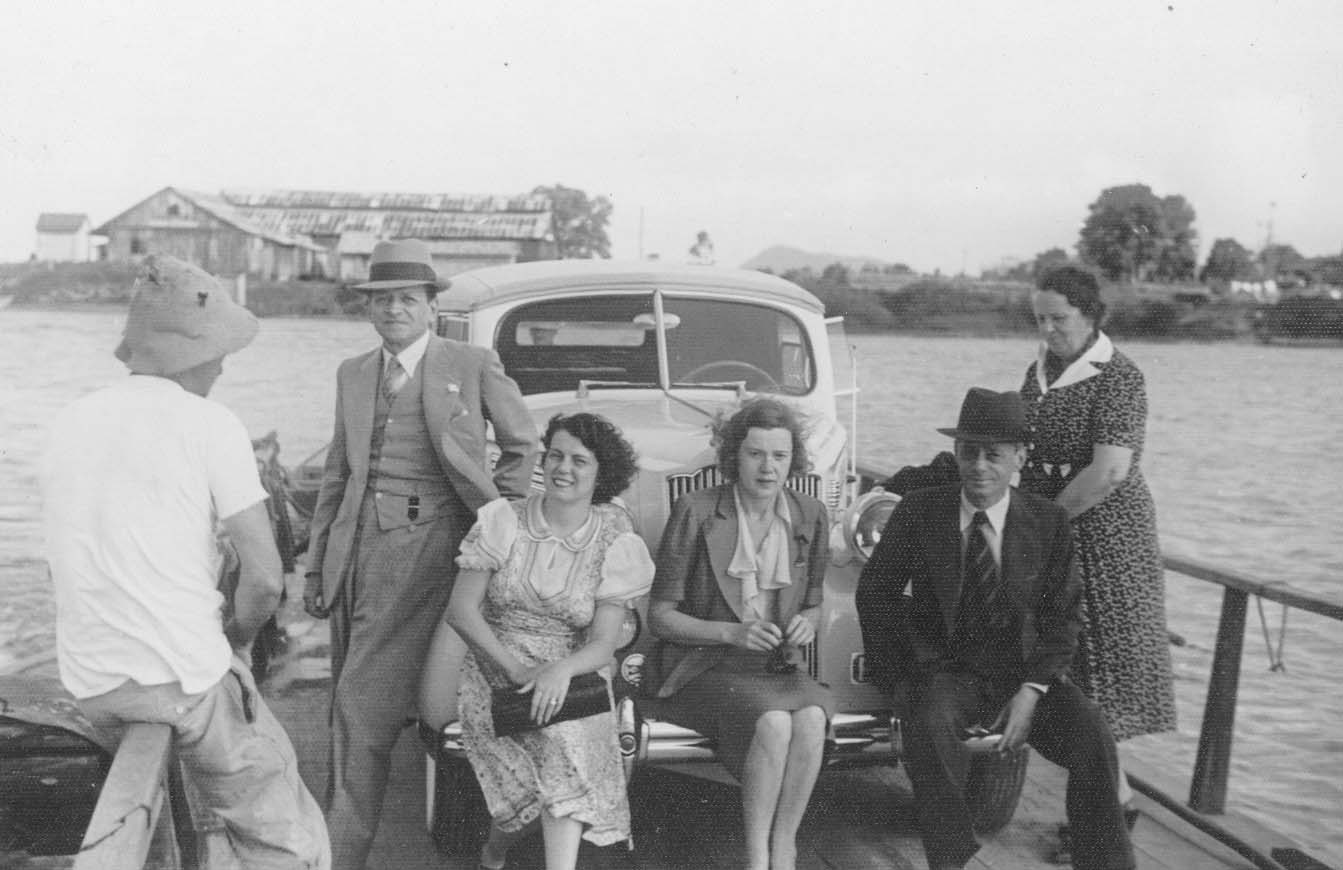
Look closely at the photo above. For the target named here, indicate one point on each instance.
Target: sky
(942, 135)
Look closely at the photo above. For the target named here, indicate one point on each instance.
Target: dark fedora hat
(987, 416)
(401, 263)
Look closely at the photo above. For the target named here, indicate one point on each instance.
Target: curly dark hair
(763, 413)
(617, 463)
(1079, 287)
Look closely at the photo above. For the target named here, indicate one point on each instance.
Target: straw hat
(987, 416)
(179, 318)
(401, 263)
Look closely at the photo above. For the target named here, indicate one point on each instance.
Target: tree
(1228, 260)
(1046, 260)
(1132, 234)
(836, 275)
(1283, 261)
(580, 223)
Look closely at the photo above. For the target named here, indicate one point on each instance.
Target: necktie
(980, 580)
(393, 380)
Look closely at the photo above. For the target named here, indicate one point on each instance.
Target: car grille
(708, 476)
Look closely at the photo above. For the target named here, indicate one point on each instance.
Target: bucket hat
(987, 416)
(400, 263)
(180, 317)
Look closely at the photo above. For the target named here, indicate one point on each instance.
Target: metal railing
(1212, 764)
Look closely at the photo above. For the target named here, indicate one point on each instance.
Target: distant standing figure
(405, 473)
(137, 478)
(541, 597)
(1086, 405)
(740, 579)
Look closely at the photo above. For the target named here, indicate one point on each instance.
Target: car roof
(518, 281)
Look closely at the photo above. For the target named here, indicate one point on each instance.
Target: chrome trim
(708, 476)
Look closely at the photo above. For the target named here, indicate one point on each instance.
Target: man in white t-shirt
(137, 478)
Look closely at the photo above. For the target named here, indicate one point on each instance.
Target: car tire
(994, 787)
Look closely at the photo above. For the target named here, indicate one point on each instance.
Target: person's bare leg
(761, 780)
(562, 836)
(799, 776)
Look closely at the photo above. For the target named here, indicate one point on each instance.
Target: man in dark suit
(986, 637)
(404, 475)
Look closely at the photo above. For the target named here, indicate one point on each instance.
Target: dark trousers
(381, 624)
(1067, 728)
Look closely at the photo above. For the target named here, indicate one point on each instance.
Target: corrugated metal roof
(223, 210)
(294, 217)
(406, 224)
(60, 222)
(387, 201)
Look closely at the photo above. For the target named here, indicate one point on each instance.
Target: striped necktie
(393, 379)
(979, 585)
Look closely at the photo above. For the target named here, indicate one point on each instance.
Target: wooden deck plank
(126, 819)
(857, 819)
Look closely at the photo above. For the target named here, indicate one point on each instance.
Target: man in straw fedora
(136, 478)
(405, 473)
(986, 639)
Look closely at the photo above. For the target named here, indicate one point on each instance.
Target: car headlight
(630, 629)
(866, 520)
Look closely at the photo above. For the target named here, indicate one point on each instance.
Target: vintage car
(662, 351)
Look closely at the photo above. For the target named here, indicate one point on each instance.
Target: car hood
(666, 433)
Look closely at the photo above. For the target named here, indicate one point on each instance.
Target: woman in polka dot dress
(1087, 408)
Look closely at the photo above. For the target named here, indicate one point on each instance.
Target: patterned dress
(541, 598)
(1123, 657)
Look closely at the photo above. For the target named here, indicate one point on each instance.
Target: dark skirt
(724, 702)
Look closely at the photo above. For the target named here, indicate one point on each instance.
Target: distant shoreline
(924, 306)
(965, 330)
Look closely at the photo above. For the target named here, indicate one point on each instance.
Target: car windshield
(553, 345)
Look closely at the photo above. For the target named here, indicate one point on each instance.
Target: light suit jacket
(693, 558)
(464, 387)
(920, 549)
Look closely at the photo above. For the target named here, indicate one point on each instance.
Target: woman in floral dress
(1086, 404)
(540, 598)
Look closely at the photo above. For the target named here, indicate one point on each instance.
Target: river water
(1239, 457)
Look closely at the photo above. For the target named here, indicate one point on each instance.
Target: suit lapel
(721, 539)
(443, 402)
(359, 402)
(437, 369)
(944, 557)
(1016, 538)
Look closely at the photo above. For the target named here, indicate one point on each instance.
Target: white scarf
(764, 568)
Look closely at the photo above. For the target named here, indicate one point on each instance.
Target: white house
(63, 238)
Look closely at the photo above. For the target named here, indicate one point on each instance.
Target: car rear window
(555, 344)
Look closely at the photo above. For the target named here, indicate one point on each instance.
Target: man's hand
(1015, 720)
(312, 596)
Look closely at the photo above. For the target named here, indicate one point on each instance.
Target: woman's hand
(549, 685)
(757, 635)
(800, 631)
